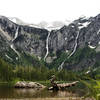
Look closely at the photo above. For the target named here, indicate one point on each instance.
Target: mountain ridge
(47, 45)
(43, 24)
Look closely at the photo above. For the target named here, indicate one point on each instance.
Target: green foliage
(30, 73)
(82, 53)
(42, 73)
(27, 59)
(65, 75)
(60, 58)
(5, 71)
(94, 88)
(97, 64)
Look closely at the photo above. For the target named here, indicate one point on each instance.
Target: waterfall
(12, 45)
(47, 48)
(98, 31)
(8, 57)
(61, 66)
(75, 45)
(16, 34)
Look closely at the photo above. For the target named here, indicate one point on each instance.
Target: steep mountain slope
(62, 48)
(21, 40)
(81, 34)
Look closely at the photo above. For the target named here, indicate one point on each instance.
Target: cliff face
(17, 39)
(85, 31)
(23, 38)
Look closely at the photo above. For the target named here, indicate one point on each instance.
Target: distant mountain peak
(43, 24)
(50, 40)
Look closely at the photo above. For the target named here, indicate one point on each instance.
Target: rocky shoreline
(23, 84)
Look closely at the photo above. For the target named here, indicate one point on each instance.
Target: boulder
(31, 85)
(22, 84)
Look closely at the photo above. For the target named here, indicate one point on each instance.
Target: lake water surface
(13, 93)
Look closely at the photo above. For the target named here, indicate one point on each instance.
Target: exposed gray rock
(29, 39)
(33, 41)
(22, 84)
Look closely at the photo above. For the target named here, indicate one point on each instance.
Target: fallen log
(62, 86)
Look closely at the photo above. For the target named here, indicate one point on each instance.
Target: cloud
(35, 11)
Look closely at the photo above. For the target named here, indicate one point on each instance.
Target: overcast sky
(35, 11)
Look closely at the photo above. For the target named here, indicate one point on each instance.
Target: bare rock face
(16, 40)
(22, 84)
(29, 39)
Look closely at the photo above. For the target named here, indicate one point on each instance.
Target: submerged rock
(22, 84)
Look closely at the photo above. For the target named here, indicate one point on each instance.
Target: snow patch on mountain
(17, 20)
(86, 24)
(46, 25)
(92, 47)
(82, 25)
(88, 72)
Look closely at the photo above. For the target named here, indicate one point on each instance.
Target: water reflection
(66, 94)
(43, 93)
(6, 92)
(33, 93)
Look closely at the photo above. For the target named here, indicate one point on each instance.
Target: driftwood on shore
(62, 86)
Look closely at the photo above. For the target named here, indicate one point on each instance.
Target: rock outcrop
(22, 84)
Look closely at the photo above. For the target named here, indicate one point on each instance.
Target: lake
(10, 93)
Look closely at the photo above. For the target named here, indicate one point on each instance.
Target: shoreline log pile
(62, 86)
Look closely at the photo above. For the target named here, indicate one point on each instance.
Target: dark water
(10, 92)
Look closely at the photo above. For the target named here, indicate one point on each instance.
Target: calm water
(9, 92)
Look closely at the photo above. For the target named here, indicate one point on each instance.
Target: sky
(35, 11)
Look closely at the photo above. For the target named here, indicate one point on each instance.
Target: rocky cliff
(18, 41)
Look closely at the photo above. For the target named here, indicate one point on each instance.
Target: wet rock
(22, 84)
